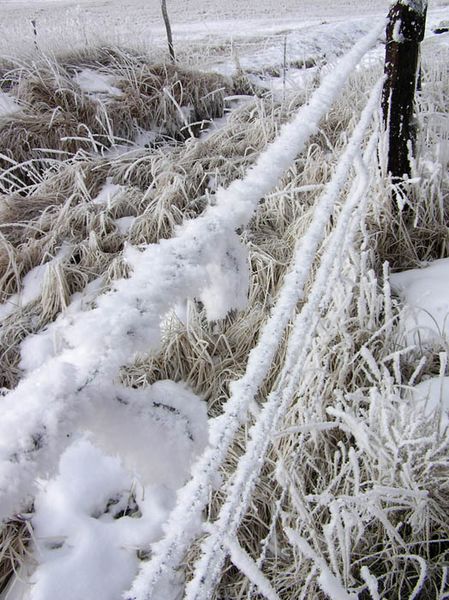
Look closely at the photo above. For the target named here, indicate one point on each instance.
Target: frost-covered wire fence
(183, 523)
(316, 482)
(168, 553)
(46, 403)
(214, 548)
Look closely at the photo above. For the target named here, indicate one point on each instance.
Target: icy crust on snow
(114, 488)
(426, 295)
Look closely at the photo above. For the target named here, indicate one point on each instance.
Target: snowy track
(75, 24)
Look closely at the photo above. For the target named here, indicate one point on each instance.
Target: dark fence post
(405, 31)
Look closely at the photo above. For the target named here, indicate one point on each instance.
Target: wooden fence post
(171, 48)
(405, 31)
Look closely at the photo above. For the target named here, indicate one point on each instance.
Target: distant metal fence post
(405, 31)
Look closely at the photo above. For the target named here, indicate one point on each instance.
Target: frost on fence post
(405, 31)
(171, 48)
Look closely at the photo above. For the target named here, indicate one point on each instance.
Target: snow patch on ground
(32, 284)
(7, 104)
(107, 192)
(96, 84)
(431, 398)
(124, 224)
(426, 295)
(145, 139)
(154, 430)
(36, 349)
(232, 103)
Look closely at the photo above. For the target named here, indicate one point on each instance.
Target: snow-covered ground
(66, 26)
(426, 294)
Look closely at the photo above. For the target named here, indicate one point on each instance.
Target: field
(223, 328)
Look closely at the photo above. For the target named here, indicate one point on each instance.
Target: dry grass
(15, 538)
(59, 119)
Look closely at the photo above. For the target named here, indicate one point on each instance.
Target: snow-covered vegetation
(224, 330)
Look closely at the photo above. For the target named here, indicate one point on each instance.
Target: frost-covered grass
(352, 492)
(353, 496)
(67, 107)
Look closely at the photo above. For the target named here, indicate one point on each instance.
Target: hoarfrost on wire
(168, 553)
(208, 566)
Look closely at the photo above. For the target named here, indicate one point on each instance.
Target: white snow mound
(426, 295)
(115, 486)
